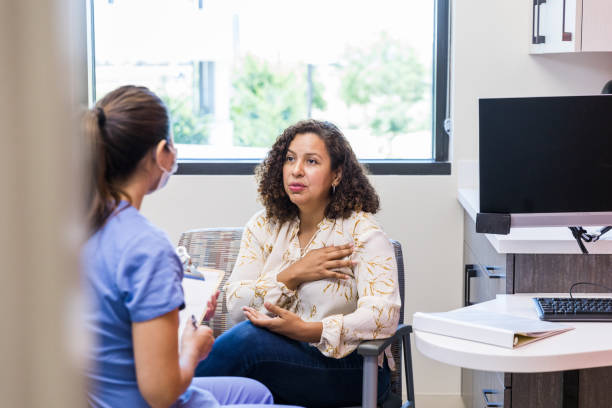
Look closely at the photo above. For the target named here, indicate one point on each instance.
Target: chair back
(215, 248)
(218, 248)
(396, 348)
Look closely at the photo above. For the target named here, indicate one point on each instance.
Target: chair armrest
(375, 347)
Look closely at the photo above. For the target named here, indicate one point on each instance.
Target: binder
(498, 329)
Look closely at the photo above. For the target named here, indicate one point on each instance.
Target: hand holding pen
(194, 322)
(196, 341)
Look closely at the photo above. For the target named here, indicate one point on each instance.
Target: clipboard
(198, 286)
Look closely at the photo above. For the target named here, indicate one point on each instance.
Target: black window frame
(439, 165)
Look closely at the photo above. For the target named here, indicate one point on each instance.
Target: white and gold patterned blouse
(364, 307)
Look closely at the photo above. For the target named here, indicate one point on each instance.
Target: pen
(194, 322)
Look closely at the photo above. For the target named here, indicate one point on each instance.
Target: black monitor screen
(546, 154)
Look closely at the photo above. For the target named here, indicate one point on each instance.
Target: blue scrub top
(132, 274)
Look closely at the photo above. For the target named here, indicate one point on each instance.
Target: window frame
(439, 165)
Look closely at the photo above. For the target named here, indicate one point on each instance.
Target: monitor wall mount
(494, 223)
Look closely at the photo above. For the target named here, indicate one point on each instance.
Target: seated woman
(315, 276)
(133, 276)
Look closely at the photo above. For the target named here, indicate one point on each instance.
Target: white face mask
(165, 176)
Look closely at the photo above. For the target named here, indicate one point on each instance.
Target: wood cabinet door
(595, 387)
(540, 390)
(547, 273)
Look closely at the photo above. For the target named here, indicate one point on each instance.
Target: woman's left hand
(211, 306)
(285, 322)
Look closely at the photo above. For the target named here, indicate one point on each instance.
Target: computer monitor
(546, 161)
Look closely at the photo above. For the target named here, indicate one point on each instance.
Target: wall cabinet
(488, 273)
(571, 26)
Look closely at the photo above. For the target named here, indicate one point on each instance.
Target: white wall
(490, 58)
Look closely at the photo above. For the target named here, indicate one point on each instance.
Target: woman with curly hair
(314, 277)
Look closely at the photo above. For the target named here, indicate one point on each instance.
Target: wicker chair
(218, 248)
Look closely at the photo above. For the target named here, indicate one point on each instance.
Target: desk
(588, 345)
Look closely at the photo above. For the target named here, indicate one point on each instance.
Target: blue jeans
(295, 372)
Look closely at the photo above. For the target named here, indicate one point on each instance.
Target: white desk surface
(588, 345)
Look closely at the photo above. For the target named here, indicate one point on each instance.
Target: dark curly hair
(353, 193)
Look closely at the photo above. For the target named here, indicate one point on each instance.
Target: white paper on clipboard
(197, 290)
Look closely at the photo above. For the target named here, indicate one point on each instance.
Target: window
(235, 73)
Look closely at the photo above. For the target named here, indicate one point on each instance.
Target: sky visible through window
(235, 73)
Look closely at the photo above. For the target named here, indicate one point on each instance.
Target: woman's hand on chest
(318, 264)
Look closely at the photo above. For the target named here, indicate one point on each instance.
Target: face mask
(163, 180)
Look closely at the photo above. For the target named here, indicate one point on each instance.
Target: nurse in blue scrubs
(133, 276)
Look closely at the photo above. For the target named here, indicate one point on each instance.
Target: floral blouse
(364, 307)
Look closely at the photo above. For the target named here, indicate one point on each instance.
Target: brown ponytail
(122, 127)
